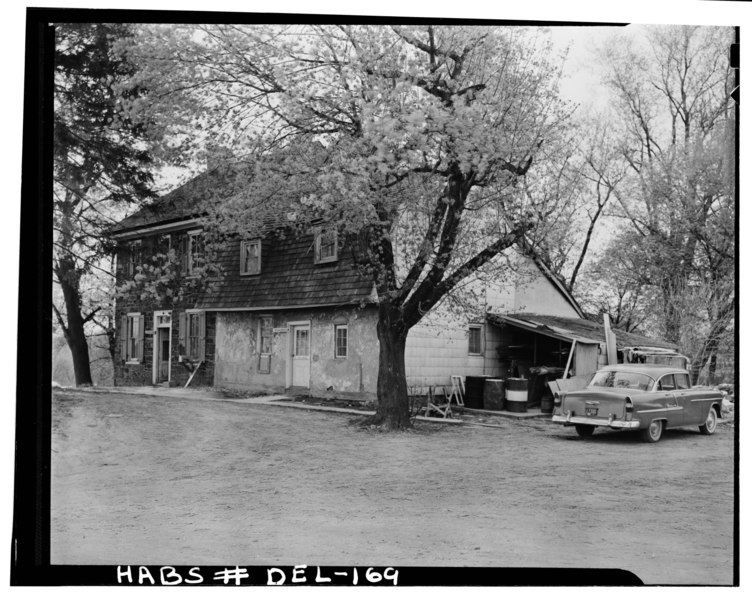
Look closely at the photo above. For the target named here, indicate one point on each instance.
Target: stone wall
(142, 373)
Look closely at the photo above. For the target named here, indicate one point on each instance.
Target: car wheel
(584, 430)
(652, 434)
(710, 423)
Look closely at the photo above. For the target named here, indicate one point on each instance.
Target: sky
(582, 73)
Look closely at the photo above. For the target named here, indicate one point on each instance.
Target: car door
(667, 392)
(690, 410)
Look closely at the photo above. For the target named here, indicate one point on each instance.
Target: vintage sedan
(640, 397)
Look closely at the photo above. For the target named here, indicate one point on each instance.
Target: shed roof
(576, 329)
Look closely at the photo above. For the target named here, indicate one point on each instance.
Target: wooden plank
(574, 383)
(190, 378)
(610, 340)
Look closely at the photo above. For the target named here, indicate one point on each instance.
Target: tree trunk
(393, 411)
(672, 312)
(712, 367)
(74, 328)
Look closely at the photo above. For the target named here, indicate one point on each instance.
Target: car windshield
(622, 380)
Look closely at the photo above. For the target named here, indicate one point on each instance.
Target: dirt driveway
(178, 481)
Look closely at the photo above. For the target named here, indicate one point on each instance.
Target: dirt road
(179, 481)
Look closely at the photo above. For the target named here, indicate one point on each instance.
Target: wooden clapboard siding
(435, 352)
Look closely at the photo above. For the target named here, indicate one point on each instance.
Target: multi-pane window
(265, 344)
(301, 343)
(250, 257)
(134, 257)
(340, 341)
(164, 244)
(195, 251)
(475, 340)
(132, 335)
(325, 245)
(194, 335)
(265, 335)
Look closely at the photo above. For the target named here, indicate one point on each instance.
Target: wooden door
(163, 355)
(301, 352)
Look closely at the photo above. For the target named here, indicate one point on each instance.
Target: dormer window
(250, 257)
(325, 245)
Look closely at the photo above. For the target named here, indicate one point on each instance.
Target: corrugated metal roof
(576, 329)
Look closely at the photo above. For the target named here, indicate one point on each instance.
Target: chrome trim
(632, 424)
(672, 408)
(706, 399)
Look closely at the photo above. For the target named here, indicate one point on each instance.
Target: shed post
(569, 360)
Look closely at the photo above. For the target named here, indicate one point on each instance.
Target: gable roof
(183, 202)
(576, 329)
(553, 279)
(288, 279)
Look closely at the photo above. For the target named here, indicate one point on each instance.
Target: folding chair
(432, 405)
(458, 390)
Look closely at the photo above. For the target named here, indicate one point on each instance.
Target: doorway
(301, 355)
(163, 355)
(162, 346)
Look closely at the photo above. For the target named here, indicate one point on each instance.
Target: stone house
(296, 314)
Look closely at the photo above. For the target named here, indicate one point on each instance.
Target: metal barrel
(474, 391)
(516, 396)
(493, 394)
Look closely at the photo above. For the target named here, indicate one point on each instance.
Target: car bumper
(568, 419)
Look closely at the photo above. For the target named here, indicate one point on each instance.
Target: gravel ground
(150, 480)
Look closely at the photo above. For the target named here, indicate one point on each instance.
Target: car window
(666, 383)
(682, 380)
(621, 380)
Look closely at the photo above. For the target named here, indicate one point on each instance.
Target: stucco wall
(237, 357)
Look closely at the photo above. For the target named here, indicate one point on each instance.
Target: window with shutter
(265, 344)
(132, 346)
(195, 335)
(250, 257)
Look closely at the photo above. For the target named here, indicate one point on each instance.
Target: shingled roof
(576, 329)
(288, 278)
(181, 203)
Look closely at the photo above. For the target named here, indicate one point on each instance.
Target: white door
(301, 351)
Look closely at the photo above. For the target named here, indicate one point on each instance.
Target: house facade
(296, 314)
